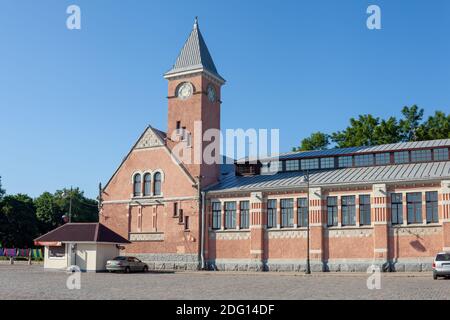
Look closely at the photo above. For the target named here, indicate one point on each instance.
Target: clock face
(211, 93)
(185, 90)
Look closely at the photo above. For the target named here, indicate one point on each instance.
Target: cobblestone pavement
(33, 282)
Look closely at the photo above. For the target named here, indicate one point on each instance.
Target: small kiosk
(86, 245)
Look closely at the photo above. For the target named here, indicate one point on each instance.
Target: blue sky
(72, 103)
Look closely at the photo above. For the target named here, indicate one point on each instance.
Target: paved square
(33, 282)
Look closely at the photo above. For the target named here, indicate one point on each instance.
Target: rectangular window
(265, 167)
(440, 154)
(302, 212)
(230, 215)
(271, 213)
(364, 160)
(186, 223)
(364, 210)
(327, 163)
(310, 164)
(175, 209)
(276, 166)
(420, 155)
(401, 157)
(332, 211)
(348, 211)
(382, 158)
(287, 213)
(414, 207)
(216, 215)
(178, 127)
(245, 214)
(57, 252)
(345, 162)
(432, 207)
(397, 208)
(292, 165)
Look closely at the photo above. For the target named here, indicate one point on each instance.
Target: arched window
(137, 185)
(147, 184)
(157, 184)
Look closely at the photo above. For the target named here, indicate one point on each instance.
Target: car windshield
(443, 257)
(120, 258)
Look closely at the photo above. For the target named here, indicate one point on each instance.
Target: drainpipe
(202, 236)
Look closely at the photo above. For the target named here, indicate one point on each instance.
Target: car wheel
(145, 269)
(435, 276)
(127, 270)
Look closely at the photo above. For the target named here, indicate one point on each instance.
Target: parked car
(441, 265)
(126, 264)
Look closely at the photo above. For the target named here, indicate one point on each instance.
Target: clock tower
(194, 101)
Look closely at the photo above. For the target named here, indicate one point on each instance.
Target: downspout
(202, 236)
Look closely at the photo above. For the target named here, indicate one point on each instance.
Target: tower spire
(194, 57)
(196, 22)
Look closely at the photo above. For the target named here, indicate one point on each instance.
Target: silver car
(126, 264)
(441, 265)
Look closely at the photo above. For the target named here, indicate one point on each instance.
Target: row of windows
(146, 188)
(348, 210)
(400, 157)
(230, 215)
(414, 207)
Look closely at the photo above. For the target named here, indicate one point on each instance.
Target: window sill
(348, 227)
(229, 230)
(146, 197)
(416, 225)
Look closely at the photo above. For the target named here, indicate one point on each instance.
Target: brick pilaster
(257, 229)
(444, 213)
(380, 223)
(317, 220)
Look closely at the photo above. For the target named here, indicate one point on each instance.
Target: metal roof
(346, 176)
(194, 55)
(356, 150)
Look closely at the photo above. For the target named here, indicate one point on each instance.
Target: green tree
(410, 122)
(436, 127)
(48, 213)
(18, 223)
(316, 141)
(2, 191)
(361, 132)
(388, 131)
(83, 209)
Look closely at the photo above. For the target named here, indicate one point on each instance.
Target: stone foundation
(170, 261)
(419, 265)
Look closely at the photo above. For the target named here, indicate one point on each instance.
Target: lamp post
(308, 265)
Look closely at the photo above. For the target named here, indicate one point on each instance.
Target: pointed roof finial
(196, 23)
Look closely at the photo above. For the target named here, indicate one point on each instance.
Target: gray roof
(346, 176)
(194, 55)
(356, 150)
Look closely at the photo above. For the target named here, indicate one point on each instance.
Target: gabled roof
(82, 232)
(151, 138)
(348, 176)
(194, 56)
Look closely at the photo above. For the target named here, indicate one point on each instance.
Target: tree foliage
(22, 219)
(367, 130)
(2, 191)
(18, 223)
(316, 141)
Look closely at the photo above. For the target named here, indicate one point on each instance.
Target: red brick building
(387, 205)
